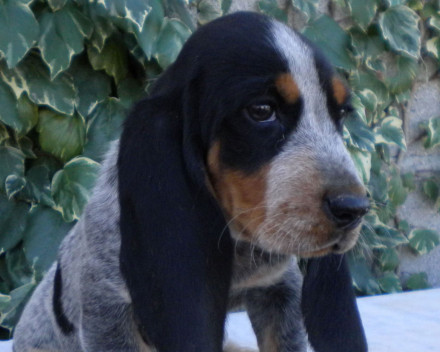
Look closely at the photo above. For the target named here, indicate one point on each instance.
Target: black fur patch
(65, 325)
(329, 307)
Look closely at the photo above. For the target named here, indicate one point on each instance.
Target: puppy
(232, 166)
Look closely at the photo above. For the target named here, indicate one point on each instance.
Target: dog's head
(270, 110)
(244, 129)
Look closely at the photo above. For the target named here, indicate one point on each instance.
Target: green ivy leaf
(37, 188)
(44, 232)
(134, 11)
(18, 30)
(18, 298)
(207, 11)
(307, 7)
(397, 192)
(92, 87)
(105, 126)
(26, 145)
(408, 181)
(362, 161)
(432, 189)
(363, 278)
(388, 259)
(13, 79)
(12, 163)
(434, 22)
(4, 135)
(226, 5)
(400, 78)
(149, 34)
(331, 39)
(370, 239)
(390, 132)
(173, 35)
(366, 46)
(360, 135)
(56, 5)
(423, 241)
(432, 128)
(369, 100)
(392, 3)
(399, 25)
(12, 222)
(271, 8)
(131, 90)
(433, 47)
(103, 29)
(32, 76)
(62, 37)
(13, 185)
(379, 186)
(390, 236)
(62, 136)
(20, 115)
(362, 80)
(417, 281)
(404, 226)
(363, 12)
(390, 283)
(72, 185)
(8, 111)
(113, 59)
(27, 114)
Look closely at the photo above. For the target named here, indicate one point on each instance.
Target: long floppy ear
(329, 307)
(176, 252)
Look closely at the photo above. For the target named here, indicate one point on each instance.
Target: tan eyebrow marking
(340, 92)
(287, 88)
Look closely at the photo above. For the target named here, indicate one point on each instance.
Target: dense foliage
(70, 70)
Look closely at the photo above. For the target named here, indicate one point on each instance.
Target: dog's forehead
(302, 65)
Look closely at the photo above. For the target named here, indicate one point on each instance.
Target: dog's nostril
(346, 211)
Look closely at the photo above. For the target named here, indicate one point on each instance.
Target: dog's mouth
(319, 241)
(339, 245)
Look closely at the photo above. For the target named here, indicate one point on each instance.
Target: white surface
(404, 322)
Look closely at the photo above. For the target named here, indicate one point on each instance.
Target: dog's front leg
(275, 314)
(106, 320)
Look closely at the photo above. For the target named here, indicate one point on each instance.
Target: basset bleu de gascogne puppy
(231, 168)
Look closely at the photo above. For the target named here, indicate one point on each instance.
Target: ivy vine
(70, 70)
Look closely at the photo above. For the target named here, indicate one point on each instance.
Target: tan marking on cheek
(241, 196)
(340, 92)
(287, 88)
(246, 198)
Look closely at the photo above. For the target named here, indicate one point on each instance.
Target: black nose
(346, 211)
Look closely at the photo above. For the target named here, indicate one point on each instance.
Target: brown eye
(261, 112)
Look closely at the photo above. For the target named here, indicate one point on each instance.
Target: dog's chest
(254, 267)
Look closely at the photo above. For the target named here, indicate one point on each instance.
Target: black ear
(176, 252)
(329, 307)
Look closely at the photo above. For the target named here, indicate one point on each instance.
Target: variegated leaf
(62, 136)
(390, 132)
(133, 10)
(400, 28)
(71, 186)
(63, 36)
(423, 241)
(18, 30)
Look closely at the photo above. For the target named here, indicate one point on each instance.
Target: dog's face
(276, 162)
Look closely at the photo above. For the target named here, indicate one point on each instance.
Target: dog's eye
(261, 112)
(345, 110)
